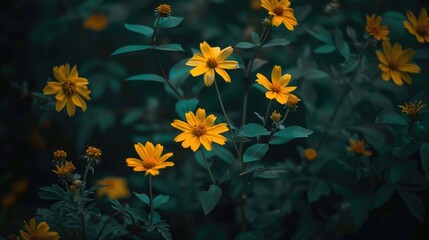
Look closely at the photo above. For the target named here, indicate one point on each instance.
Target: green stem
(286, 114)
(85, 175)
(105, 223)
(207, 166)
(151, 198)
(268, 112)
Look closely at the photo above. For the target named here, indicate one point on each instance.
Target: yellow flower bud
(310, 154)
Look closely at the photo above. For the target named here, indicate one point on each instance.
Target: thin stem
(155, 55)
(151, 198)
(82, 220)
(85, 175)
(105, 223)
(207, 166)
(268, 112)
(286, 114)
(242, 213)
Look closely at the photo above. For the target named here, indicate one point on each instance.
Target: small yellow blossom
(60, 155)
(163, 10)
(96, 22)
(212, 60)
(277, 88)
(395, 63)
(358, 147)
(151, 159)
(64, 171)
(292, 101)
(373, 27)
(276, 116)
(200, 130)
(93, 154)
(310, 154)
(413, 109)
(114, 187)
(418, 27)
(281, 13)
(70, 89)
(40, 231)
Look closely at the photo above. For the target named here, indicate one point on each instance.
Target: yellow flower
(418, 27)
(277, 88)
(394, 63)
(292, 101)
(69, 89)
(93, 154)
(210, 60)
(374, 28)
(151, 159)
(60, 155)
(276, 116)
(255, 4)
(281, 13)
(310, 154)
(114, 187)
(163, 10)
(64, 171)
(199, 129)
(96, 22)
(413, 109)
(358, 147)
(40, 231)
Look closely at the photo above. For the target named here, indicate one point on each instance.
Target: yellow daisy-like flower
(210, 60)
(114, 187)
(64, 171)
(358, 147)
(96, 22)
(418, 27)
(310, 154)
(70, 89)
(163, 10)
(151, 159)
(281, 13)
(277, 87)
(40, 231)
(373, 27)
(60, 155)
(394, 63)
(199, 129)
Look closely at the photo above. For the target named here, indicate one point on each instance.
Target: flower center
(69, 87)
(276, 88)
(211, 63)
(422, 29)
(149, 163)
(393, 65)
(199, 130)
(278, 11)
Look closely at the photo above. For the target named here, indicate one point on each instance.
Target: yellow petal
(412, 18)
(276, 74)
(281, 98)
(201, 116)
(206, 143)
(406, 77)
(396, 77)
(276, 21)
(199, 70)
(223, 74)
(78, 101)
(228, 64)
(210, 120)
(219, 128)
(209, 77)
(206, 50)
(224, 54)
(412, 68)
(196, 60)
(284, 81)
(263, 81)
(183, 136)
(217, 138)
(141, 151)
(190, 118)
(150, 149)
(181, 125)
(158, 151)
(165, 157)
(71, 109)
(270, 95)
(134, 162)
(423, 15)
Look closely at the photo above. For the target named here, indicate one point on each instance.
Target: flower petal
(209, 77)
(199, 70)
(224, 54)
(276, 74)
(223, 74)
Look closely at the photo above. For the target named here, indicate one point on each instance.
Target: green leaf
(313, 74)
(383, 194)
(413, 202)
(146, 77)
(160, 200)
(424, 157)
(54, 192)
(255, 38)
(351, 33)
(185, 105)
(164, 229)
(245, 45)
(179, 73)
(391, 118)
(342, 46)
(395, 171)
(210, 198)
(320, 33)
(170, 22)
(290, 133)
(142, 29)
(252, 130)
(324, 49)
(131, 48)
(317, 188)
(258, 63)
(143, 197)
(263, 220)
(223, 153)
(170, 47)
(276, 42)
(255, 152)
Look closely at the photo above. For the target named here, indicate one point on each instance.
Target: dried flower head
(276, 116)
(163, 10)
(292, 101)
(60, 155)
(64, 171)
(93, 154)
(310, 154)
(413, 109)
(267, 22)
(358, 147)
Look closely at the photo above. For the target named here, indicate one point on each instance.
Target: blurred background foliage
(329, 198)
